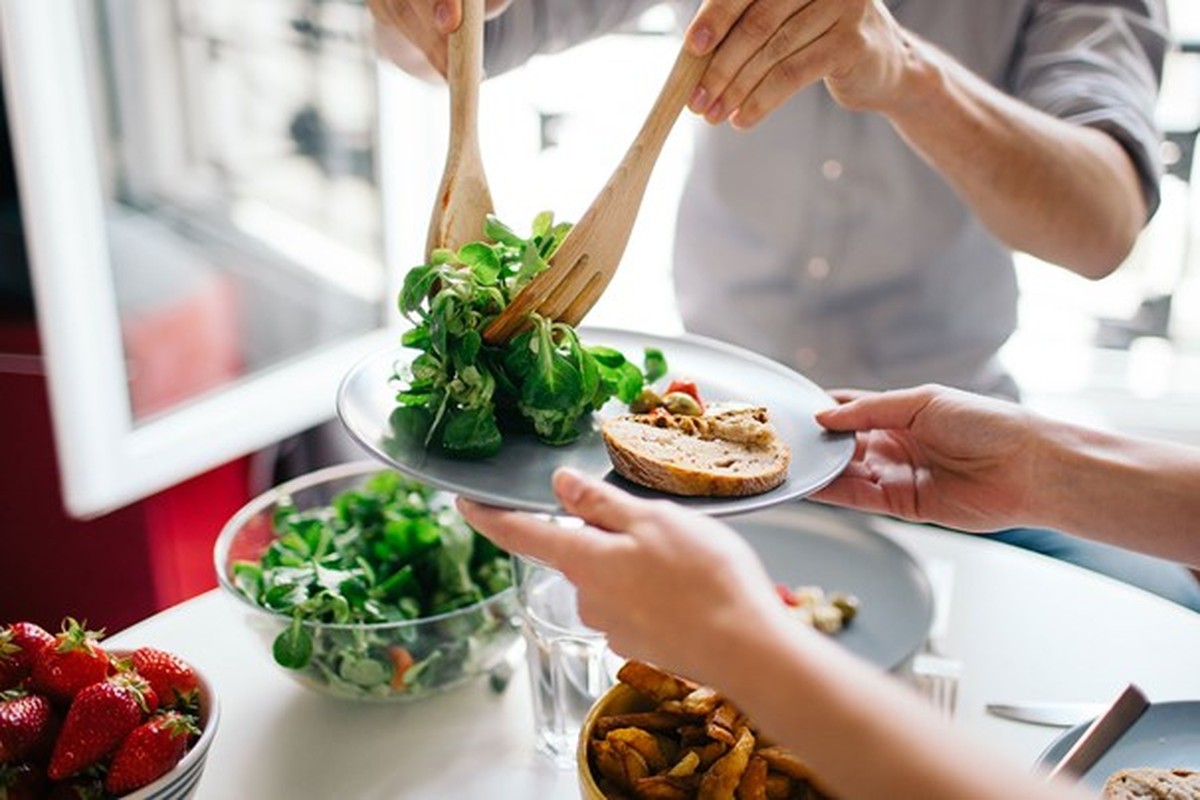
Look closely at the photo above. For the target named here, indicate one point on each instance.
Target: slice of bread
(1148, 783)
(726, 453)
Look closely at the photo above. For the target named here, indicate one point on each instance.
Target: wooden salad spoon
(587, 259)
(463, 198)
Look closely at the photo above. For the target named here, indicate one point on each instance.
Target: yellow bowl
(619, 699)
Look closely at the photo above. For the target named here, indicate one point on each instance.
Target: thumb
(597, 503)
(887, 410)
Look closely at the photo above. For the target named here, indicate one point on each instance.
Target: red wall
(113, 570)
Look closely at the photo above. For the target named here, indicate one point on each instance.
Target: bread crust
(692, 460)
(1147, 783)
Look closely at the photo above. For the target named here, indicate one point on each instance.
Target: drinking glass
(570, 664)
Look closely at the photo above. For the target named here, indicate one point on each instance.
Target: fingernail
(441, 15)
(569, 484)
(827, 414)
(701, 38)
(736, 120)
(716, 113)
(699, 100)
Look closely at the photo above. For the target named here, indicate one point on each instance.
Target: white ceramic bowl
(182, 780)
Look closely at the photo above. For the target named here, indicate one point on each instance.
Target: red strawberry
(27, 726)
(123, 668)
(150, 751)
(19, 645)
(101, 715)
(21, 782)
(71, 663)
(172, 679)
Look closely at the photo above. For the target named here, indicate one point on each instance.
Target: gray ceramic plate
(809, 544)
(1167, 735)
(519, 476)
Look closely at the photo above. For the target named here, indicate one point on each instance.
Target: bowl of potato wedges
(659, 736)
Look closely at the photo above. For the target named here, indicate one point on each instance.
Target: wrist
(921, 80)
(1067, 457)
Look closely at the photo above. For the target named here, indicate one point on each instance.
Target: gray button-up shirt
(820, 239)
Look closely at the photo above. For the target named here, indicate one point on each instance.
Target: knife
(1055, 715)
(1104, 731)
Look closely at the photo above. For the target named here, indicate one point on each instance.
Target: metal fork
(934, 674)
(936, 678)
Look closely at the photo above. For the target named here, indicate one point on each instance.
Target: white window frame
(106, 460)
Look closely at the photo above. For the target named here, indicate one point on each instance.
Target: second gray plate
(519, 475)
(810, 544)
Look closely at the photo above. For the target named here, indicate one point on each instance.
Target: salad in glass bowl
(368, 585)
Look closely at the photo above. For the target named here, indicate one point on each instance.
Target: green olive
(682, 403)
(846, 603)
(645, 402)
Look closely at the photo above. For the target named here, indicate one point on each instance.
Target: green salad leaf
(460, 393)
(389, 551)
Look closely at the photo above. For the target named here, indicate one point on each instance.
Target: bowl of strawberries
(79, 720)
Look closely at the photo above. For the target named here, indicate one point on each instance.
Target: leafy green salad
(390, 551)
(460, 393)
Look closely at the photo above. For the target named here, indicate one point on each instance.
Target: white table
(1025, 627)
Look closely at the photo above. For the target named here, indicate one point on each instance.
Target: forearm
(840, 715)
(1065, 193)
(1135, 493)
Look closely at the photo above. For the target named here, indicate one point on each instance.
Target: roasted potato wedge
(688, 742)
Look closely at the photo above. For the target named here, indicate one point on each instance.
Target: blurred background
(206, 207)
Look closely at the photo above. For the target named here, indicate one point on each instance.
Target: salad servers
(463, 198)
(1104, 731)
(587, 259)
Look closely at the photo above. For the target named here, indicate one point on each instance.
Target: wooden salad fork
(587, 259)
(463, 198)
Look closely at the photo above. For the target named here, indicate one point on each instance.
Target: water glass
(570, 664)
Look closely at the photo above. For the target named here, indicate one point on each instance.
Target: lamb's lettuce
(390, 551)
(460, 393)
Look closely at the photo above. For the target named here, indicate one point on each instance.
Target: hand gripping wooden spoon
(588, 257)
(463, 199)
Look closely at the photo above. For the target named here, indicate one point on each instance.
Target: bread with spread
(726, 451)
(1147, 783)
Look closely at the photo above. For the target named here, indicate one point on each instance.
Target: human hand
(767, 50)
(933, 454)
(412, 33)
(664, 583)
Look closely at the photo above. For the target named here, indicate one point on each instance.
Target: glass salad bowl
(368, 585)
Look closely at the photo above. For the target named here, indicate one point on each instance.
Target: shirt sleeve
(1099, 64)
(533, 27)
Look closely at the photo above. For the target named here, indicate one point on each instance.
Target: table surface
(1025, 627)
